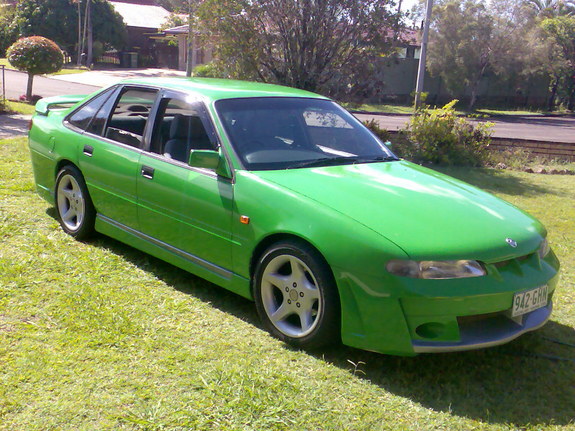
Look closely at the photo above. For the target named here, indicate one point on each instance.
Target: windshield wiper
(325, 161)
(377, 159)
(342, 160)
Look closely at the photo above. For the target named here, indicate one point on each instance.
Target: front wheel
(296, 296)
(73, 204)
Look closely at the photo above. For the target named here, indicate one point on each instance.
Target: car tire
(74, 206)
(296, 295)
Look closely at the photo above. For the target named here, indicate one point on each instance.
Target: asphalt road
(537, 128)
(15, 85)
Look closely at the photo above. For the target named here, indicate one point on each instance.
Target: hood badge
(511, 242)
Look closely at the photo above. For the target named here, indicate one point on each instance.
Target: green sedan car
(283, 197)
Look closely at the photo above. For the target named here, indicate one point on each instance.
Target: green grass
(98, 336)
(64, 71)
(384, 109)
(510, 111)
(408, 109)
(19, 107)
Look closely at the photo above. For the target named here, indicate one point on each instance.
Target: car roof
(216, 89)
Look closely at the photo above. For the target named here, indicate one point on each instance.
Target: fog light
(430, 330)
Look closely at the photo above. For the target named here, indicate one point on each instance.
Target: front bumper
(420, 316)
(489, 331)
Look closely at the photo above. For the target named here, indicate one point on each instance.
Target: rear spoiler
(43, 106)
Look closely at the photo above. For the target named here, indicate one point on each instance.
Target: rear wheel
(296, 296)
(75, 210)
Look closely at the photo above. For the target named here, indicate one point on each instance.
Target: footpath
(13, 125)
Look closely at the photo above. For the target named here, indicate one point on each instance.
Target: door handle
(88, 150)
(147, 172)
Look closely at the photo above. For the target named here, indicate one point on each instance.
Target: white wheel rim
(70, 201)
(290, 296)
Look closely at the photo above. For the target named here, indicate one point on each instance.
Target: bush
(382, 134)
(210, 70)
(439, 136)
(35, 55)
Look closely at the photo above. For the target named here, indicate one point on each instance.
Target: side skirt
(186, 261)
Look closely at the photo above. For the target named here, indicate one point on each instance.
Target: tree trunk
(473, 97)
(29, 87)
(551, 102)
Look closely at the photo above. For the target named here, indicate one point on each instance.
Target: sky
(408, 4)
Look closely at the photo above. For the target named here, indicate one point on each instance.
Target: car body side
(380, 312)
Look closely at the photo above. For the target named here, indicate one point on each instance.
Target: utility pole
(79, 50)
(90, 41)
(423, 55)
(190, 60)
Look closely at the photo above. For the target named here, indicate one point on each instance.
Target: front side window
(182, 126)
(288, 133)
(130, 115)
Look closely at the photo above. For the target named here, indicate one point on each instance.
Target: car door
(110, 152)
(184, 209)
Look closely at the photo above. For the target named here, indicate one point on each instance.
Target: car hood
(428, 214)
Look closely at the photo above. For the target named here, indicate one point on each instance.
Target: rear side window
(130, 116)
(98, 124)
(82, 117)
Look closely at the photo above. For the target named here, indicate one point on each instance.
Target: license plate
(524, 302)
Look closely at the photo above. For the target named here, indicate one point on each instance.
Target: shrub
(210, 70)
(35, 55)
(439, 136)
(382, 134)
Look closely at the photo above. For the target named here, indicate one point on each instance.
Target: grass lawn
(408, 109)
(100, 336)
(64, 71)
(20, 107)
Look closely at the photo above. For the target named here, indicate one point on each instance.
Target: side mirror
(209, 159)
(388, 144)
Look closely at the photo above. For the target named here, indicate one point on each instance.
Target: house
(200, 54)
(143, 19)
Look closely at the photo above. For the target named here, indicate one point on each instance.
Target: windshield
(289, 132)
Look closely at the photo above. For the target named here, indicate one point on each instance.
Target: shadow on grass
(183, 281)
(496, 181)
(528, 382)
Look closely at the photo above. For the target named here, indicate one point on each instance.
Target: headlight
(543, 249)
(436, 269)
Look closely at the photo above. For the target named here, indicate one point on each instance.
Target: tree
(551, 8)
(310, 44)
(58, 20)
(35, 55)
(8, 31)
(173, 5)
(562, 31)
(469, 40)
